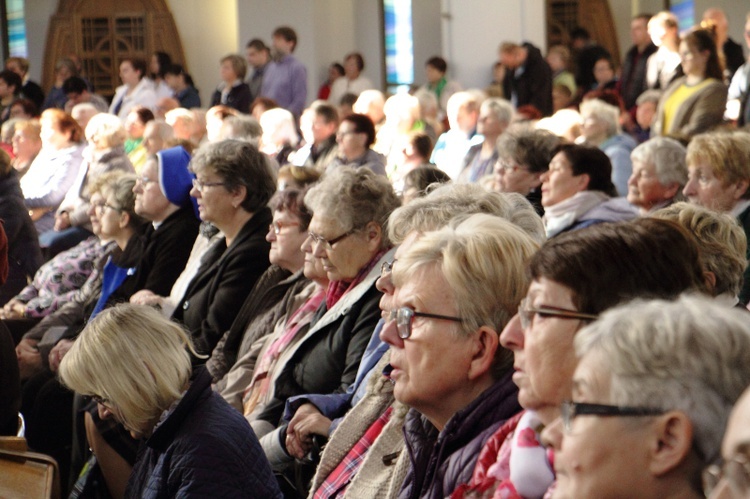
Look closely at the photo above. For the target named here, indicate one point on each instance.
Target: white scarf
(563, 214)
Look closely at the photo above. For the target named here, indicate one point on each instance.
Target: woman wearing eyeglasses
(232, 188)
(523, 156)
(574, 278)
(454, 290)
(347, 234)
(651, 395)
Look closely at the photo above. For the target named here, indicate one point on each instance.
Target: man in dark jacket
(528, 79)
(633, 80)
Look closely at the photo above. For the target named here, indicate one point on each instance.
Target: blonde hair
(108, 128)
(722, 242)
(726, 153)
(483, 260)
(134, 358)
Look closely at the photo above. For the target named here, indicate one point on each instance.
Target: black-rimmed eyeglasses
(277, 226)
(328, 243)
(570, 410)
(526, 313)
(200, 185)
(404, 317)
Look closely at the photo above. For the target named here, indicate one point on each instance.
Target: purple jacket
(441, 461)
(203, 448)
(285, 81)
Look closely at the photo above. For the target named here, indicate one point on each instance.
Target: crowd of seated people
(445, 292)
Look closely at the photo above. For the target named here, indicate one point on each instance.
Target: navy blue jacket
(441, 461)
(204, 448)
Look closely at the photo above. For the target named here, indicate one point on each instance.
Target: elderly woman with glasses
(348, 234)
(233, 186)
(136, 365)
(523, 156)
(651, 396)
(454, 290)
(574, 278)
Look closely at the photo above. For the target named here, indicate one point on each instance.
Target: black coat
(24, 255)
(327, 360)
(533, 84)
(441, 461)
(223, 281)
(633, 79)
(238, 98)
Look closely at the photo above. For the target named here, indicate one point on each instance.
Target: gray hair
(691, 355)
(668, 157)
(532, 148)
(242, 127)
(602, 111)
(163, 129)
(239, 164)
(354, 197)
(450, 200)
(649, 96)
(501, 108)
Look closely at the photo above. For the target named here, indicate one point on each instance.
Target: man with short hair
(355, 135)
(10, 88)
(258, 55)
(452, 146)
(30, 90)
(285, 79)
(318, 124)
(733, 55)
(77, 91)
(528, 77)
(633, 80)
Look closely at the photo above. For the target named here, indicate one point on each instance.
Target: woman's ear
(672, 442)
(486, 341)
(124, 219)
(583, 182)
(374, 234)
(238, 194)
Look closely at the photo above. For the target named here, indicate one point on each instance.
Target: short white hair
(691, 355)
(602, 111)
(501, 108)
(668, 157)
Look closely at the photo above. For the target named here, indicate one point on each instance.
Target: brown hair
(64, 123)
(606, 264)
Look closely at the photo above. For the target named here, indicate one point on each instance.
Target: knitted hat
(175, 180)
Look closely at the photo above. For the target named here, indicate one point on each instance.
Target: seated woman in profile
(654, 380)
(659, 174)
(577, 191)
(523, 157)
(136, 365)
